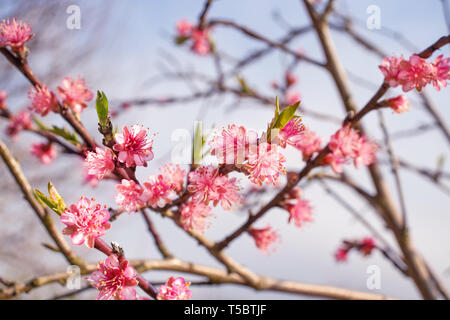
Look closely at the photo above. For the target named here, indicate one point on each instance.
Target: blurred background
(127, 49)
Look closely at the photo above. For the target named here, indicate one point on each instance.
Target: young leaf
(286, 115)
(65, 134)
(101, 104)
(197, 144)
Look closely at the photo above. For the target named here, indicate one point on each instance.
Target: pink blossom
(290, 79)
(334, 160)
(264, 238)
(341, 254)
(390, 67)
(42, 100)
(129, 196)
(85, 222)
(45, 152)
(365, 152)
(100, 163)
(292, 97)
(416, 73)
(74, 93)
(17, 123)
(230, 145)
(173, 176)
(114, 279)
(291, 132)
(274, 85)
(134, 146)
(266, 164)
(299, 211)
(184, 28)
(158, 192)
(14, 33)
(3, 96)
(345, 142)
(399, 104)
(175, 289)
(207, 184)
(194, 214)
(90, 178)
(442, 72)
(308, 143)
(366, 246)
(200, 44)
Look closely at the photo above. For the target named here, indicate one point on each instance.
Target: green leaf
(243, 84)
(55, 202)
(197, 144)
(101, 105)
(180, 39)
(40, 124)
(65, 134)
(286, 115)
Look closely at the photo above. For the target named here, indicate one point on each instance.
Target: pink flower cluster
(230, 146)
(207, 184)
(14, 33)
(43, 101)
(291, 132)
(157, 191)
(200, 37)
(99, 163)
(266, 164)
(175, 289)
(299, 209)
(415, 72)
(85, 221)
(134, 146)
(364, 246)
(265, 238)
(115, 279)
(346, 143)
(45, 152)
(75, 94)
(17, 123)
(194, 214)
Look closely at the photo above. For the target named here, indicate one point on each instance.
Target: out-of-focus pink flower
(334, 160)
(290, 79)
(157, 192)
(194, 214)
(291, 132)
(134, 146)
(442, 72)
(266, 164)
(292, 97)
(365, 152)
(45, 152)
(264, 238)
(274, 85)
(129, 196)
(200, 40)
(308, 143)
(42, 100)
(14, 33)
(415, 73)
(175, 289)
(114, 279)
(207, 184)
(230, 145)
(3, 96)
(341, 254)
(399, 104)
(184, 28)
(173, 176)
(100, 162)
(366, 246)
(17, 123)
(299, 211)
(90, 178)
(346, 143)
(75, 94)
(85, 221)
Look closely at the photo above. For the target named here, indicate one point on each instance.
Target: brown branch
(158, 242)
